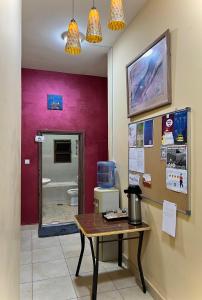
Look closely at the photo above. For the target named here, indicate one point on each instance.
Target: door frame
(81, 169)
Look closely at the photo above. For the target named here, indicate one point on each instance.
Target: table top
(93, 225)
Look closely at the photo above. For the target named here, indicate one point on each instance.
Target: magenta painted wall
(84, 109)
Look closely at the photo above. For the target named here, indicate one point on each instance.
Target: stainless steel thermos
(134, 204)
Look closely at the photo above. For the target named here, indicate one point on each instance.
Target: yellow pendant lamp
(117, 21)
(94, 33)
(73, 45)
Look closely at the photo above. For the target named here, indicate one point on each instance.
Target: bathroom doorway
(60, 177)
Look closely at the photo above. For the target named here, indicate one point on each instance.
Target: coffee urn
(134, 204)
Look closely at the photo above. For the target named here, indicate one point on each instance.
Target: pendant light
(94, 33)
(117, 21)
(73, 46)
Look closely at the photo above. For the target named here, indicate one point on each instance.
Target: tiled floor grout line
(67, 267)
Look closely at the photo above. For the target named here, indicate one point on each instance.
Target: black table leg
(81, 253)
(92, 250)
(95, 271)
(141, 234)
(120, 245)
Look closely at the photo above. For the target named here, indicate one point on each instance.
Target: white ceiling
(43, 21)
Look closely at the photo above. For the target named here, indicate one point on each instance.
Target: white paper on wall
(169, 218)
(136, 160)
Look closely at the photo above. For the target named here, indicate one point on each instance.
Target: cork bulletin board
(158, 162)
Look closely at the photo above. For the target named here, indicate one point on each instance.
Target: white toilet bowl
(72, 197)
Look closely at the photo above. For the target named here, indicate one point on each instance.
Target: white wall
(10, 115)
(172, 266)
(59, 172)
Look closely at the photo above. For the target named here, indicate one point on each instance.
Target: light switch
(27, 161)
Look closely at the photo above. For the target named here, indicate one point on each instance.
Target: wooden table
(94, 225)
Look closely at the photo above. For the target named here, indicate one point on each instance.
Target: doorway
(60, 177)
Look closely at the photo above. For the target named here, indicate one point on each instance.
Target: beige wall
(172, 266)
(10, 106)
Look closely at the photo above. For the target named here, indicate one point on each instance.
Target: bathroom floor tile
(35, 233)
(113, 295)
(26, 273)
(122, 279)
(26, 234)
(83, 284)
(86, 265)
(47, 254)
(60, 288)
(46, 242)
(26, 257)
(111, 266)
(72, 249)
(134, 293)
(26, 291)
(51, 269)
(26, 243)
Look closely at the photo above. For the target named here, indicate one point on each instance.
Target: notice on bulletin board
(136, 160)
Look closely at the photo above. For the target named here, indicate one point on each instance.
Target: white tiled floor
(48, 266)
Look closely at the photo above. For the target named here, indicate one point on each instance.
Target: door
(60, 177)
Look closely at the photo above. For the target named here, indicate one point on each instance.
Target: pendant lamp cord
(72, 9)
(93, 3)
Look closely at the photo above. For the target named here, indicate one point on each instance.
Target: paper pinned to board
(136, 160)
(169, 218)
(134, 179)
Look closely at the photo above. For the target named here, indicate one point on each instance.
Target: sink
(45, 181)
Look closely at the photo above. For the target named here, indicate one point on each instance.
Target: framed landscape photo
(149, 77)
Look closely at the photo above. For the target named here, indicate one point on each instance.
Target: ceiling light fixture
(73, 46)
(94, 33)
(117, 21)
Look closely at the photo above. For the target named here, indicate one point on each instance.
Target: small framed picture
(55, 102)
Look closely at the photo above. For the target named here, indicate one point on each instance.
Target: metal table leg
(120, 245)
(81, 253)
(141, 234)
(92, 251)
(95, 269)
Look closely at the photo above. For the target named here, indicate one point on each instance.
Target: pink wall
(84, 109)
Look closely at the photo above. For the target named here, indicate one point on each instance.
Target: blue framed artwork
(55, 102)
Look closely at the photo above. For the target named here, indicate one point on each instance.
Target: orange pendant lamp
(117, 21)
(73, 45)
(94, 33)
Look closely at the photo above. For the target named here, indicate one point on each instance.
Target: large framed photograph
(149, 77)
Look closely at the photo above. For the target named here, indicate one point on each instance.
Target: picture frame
(54, 102)
(149, 77)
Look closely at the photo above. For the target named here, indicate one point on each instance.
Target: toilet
(72, 197)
